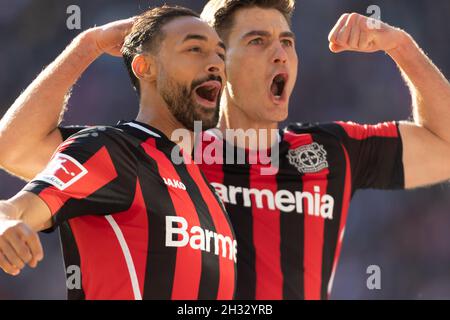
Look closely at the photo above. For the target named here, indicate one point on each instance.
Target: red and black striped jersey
(290, 224)
(137, 225)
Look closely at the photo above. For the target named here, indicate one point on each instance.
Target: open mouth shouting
(278, 93)
(207, 94)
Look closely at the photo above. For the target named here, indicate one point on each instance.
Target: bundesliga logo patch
(62, 171)
(308, 159)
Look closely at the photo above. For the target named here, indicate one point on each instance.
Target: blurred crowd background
(405, 233)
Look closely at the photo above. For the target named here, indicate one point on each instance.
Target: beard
(181, 102)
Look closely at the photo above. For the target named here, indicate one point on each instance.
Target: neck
(155, 113)
(232, 118)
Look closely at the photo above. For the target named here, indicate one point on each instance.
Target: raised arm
(426, 140)
(89, 175)
(27, 148)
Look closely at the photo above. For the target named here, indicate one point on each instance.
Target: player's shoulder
(95, 137)
(346, 129)
(97, 133)
(333, 129)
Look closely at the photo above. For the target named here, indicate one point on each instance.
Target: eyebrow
(202, 38)
(288, 34)
(262, 33)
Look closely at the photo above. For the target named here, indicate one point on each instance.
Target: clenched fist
(109, 38)
(19, 244)
(355, 32)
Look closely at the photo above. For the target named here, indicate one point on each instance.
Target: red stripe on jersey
(297, 139)
(226, 266)
(345, 205)
(188, 265)
(53, 202)
(134, 226)
(314, 230)
(314, 223)
(360, 131)
(101, 171)
(104, 271)
(214, 174)
(266, 242)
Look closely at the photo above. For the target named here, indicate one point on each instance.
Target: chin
(280, 118)
(276, 113)
(209, 121)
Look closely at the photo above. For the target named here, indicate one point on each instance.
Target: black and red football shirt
(290, 225)
(137, 225)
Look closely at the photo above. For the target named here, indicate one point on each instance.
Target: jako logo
(317, 204)
(174, 183)
(198, 238)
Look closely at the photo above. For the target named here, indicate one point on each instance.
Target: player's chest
(305, 180)
(178, 190)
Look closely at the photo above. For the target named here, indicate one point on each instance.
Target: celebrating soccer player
(136, 224)
(289, 225)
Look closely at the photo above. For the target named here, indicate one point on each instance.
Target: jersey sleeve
(92, 173)
(375, 153)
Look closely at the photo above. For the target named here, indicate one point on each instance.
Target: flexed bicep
(426, 157)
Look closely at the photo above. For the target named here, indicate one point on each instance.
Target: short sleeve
(92, 173)
(375, 153)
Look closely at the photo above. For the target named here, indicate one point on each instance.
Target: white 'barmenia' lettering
(199, 238)
(317, 204)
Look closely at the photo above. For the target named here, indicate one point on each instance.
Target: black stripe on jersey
(219, 200)
(71, 258)
(336, 180)
(396, 180)
(292, 230)
(209, 281)
(242, 221)
(227, 218)
(161, 259)
(361, 178)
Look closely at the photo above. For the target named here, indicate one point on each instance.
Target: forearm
(20, 219)
(29, 209)
(44, 99)
(429, 88)
(8, 211)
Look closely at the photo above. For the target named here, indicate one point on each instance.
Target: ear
(144, 67)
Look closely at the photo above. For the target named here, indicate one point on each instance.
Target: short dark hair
(146, 34)
(220, 13)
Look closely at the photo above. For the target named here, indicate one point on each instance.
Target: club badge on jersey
(310, 158)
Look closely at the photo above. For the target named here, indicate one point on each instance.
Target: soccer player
(290, 225)
(137, 225)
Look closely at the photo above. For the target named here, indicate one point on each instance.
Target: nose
(216, 65)
(213, 69)
(280, 54)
